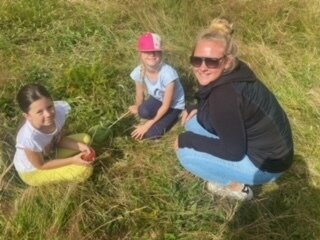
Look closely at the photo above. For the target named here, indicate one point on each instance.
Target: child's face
(41, 113)
(151, 59)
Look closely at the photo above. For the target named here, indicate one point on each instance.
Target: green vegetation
(84, 50)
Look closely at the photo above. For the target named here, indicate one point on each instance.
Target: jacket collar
(242, 73)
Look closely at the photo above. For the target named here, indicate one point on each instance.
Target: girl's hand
(186, 117)
(76, 159)
(84, 148)
(133, 109)
(140, 130)
(91, 156)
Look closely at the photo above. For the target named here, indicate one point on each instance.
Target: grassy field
(84, 50)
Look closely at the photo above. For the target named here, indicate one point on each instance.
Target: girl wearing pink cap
(161, 82)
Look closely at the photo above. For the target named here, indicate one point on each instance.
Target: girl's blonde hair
(220, 29)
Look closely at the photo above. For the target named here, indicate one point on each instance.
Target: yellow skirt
(69, 173)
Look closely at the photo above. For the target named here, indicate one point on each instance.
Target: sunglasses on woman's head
(209, 62)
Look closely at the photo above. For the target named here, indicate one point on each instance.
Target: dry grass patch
(314, 93)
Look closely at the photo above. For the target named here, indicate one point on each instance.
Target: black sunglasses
(209, 62)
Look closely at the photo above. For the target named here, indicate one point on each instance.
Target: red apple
(91, 156)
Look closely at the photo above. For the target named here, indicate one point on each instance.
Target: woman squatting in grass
(238, 134)
(41, 134)
(161, 82)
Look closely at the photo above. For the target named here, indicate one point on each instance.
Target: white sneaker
(243, 195)
(213, 187)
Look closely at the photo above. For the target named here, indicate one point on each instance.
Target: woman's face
(151, 59)
(215, 51)
(41, 113)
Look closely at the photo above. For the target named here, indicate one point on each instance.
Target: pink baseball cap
(150, 42)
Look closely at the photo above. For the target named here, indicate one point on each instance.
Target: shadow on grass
(105, 142)
(289, 210)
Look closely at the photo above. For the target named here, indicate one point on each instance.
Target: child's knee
(144, 112)
(86, 138)
(81, 137)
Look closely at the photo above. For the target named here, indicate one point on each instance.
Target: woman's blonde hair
(221, 29)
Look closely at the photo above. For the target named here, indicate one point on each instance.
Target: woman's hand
(133, 109)
(141, 130)
(186, 117)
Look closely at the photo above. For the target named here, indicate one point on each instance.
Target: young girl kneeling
(166, 96)
(41, 134)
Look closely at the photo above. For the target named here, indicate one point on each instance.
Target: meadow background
(84, 50)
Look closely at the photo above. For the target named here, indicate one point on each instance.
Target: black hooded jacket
(248, 120)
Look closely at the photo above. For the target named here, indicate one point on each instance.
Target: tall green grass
(83, 51)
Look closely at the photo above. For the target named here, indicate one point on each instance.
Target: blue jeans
(218, 170)
(149, 109)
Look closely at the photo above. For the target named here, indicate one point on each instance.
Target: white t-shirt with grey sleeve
(156, 89)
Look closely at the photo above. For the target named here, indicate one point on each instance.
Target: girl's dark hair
(30, 93)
